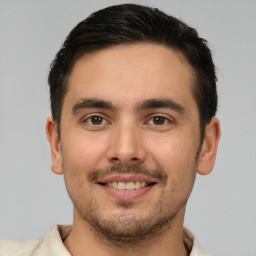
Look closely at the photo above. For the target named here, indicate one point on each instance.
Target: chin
(127, 225)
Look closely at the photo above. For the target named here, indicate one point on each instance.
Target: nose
(126, 146)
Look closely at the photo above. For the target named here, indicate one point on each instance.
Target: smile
(131, 185)
(127, 186)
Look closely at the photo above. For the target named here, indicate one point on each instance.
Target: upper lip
(126, 178)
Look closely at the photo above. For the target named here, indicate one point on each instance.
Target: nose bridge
(126, 145)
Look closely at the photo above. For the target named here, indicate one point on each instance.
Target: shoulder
(191, 244)
(19, 248)
(51, 245)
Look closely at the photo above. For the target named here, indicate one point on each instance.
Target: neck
(84, 240)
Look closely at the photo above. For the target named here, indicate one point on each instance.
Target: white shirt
(52, 245)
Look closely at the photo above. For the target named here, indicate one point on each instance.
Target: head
(133, 97)
(129, 24)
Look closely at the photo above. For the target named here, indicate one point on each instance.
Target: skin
(137, 137)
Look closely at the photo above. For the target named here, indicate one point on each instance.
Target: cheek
(180, 166)
(82, 152)
(177, 158)
(171, 152)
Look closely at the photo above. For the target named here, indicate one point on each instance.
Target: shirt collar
(59, 233)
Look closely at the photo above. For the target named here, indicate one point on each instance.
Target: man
(133, 99)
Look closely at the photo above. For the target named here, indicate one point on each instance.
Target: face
(130, 139)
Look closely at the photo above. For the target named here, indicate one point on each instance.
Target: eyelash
(86, 120)
(164, 121)
(162, 118)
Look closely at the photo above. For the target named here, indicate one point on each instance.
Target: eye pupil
(96, 120)
(158, 120)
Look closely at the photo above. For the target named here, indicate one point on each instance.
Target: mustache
(156, 174)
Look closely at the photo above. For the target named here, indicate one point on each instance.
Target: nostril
(115, 159)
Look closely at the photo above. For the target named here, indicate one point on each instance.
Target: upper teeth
(131, 185)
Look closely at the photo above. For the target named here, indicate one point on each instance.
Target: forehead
(131, 73)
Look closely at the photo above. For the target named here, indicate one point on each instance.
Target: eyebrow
(160, 103)
(147, 104)
(92, 103)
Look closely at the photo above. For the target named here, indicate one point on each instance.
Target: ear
(209, 147)
(54, 141)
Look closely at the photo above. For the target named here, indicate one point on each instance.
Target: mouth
(131, 185)
(126, 187)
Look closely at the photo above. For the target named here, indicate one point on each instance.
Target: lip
(126, 194)
(126, 178)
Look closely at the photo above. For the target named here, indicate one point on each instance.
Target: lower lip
(127, 194)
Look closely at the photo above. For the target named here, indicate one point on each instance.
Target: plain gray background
(222, 209)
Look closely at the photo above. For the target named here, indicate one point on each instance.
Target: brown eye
(158, 120)
(96, 120)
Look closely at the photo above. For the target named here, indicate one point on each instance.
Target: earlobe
(209, 147)
(54, 142)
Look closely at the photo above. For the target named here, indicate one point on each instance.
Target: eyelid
(169, 119)
(101, 115)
